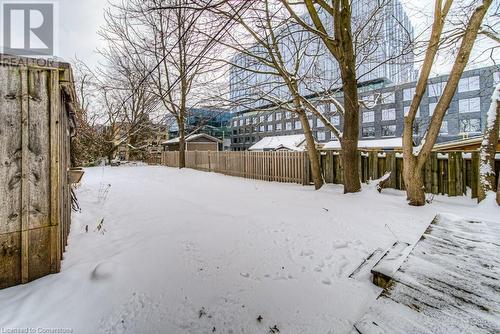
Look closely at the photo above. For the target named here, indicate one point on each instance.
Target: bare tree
(89, 146)
(488, 148)
(353, 42)
(414, 160)
(166, 37)
(126, 100)
(274, 62)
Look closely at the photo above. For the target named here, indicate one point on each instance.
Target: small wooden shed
(197, 142)
(36, 125)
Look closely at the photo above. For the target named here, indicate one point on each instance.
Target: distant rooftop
(292, 143)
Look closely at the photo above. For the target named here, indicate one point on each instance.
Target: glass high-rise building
(383, 35)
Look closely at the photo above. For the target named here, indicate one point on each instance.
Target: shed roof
(388, 143)
(193, 137)
(291, 142)
(472, 143)
(45, 63)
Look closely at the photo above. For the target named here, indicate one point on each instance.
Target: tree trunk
(182, 145)
(487, 152)
(414, 184)
(350, 136)
(413, 162)
(311, 152)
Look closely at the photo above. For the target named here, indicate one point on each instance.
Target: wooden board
(10, 150)
(35, 203)
(448, 284)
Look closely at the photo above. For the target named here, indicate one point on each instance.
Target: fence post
(373, 163)
(474, 179)
(306, 180)
(459, 179)
(390, 166)
(434, 173)
(452, 174)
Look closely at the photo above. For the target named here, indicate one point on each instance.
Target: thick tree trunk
(182, 145)
(350, 136)
(413, 162)
(487, 176)
(415, 193)
(311, 152)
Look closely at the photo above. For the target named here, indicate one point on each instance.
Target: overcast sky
(79, 21)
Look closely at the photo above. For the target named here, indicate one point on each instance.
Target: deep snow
(194, 252)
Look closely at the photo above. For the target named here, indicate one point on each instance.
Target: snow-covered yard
(193, 252)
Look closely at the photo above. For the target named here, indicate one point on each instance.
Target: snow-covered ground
(194, 252)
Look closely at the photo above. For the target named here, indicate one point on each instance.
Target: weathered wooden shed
(197, 142)
(36, 126)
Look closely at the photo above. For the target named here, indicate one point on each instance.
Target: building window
(436, 89)
(388, 130)
(278, 116)
(470, 125)
(415, 129)
(406, 110)
(298, 125)
(496, 77)
(241, 122)
(408, 94)
(288, 125)
(368, 99)
(288, 115)
(261, 119)
(335, 120)
(235, 123)
(310, 122)
(270, 118)
(468, 84)
(432, 107)
(444, 128)
(322, 108)
(247, 121)
(388, 114)
(319, 123)
(269, 128)
(388, 98)
(278, 127)
(368, 117)
(254, 120)
(368, 132)
(469, 105)
(262, 128)
(321, 136)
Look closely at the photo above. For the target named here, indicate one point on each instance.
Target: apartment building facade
(465, 117)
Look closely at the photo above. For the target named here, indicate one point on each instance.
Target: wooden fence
(448, 173)
(444, 173)
(291, 167)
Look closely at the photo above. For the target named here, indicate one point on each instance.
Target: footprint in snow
(309, 252)
(338, 244)
(326, 281)
(102, 271)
